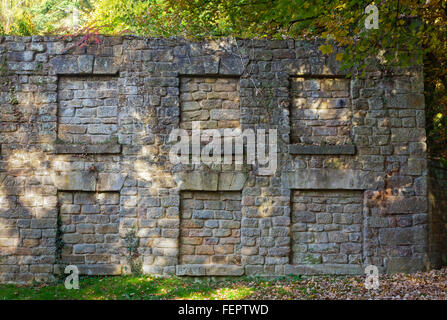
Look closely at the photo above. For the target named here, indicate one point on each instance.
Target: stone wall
(210, 231)
(90, 222)
(327, 227)
(320, 111)
(87, 109)
(211, 100)
(84, 137)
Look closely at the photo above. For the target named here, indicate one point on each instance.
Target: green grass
(146, 287)
(136, 288)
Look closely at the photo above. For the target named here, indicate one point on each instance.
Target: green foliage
(30, 17)
(3, 67)
(436, 117)
(133, 288)
(13, 96)
(15, 17)
(58, 15)
(251, 288)
(120, 15)
(24, 26)
(59, 243)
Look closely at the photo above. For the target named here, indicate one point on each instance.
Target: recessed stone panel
(212, 101)
(88, 109)
(327, 227)
(320, 111)
(210, 228)
(90, 223)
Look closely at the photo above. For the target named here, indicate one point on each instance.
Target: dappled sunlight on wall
(94, 122)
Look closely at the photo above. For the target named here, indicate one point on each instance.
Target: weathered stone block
(197, 181)
(66, 64)
(106, 148)
(82, 181)
(229, 181)
(110, 181)
(105, 65)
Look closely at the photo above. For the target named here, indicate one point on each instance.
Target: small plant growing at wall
(59, 247)
(3, 66)
(112, 140)
(90, 34)
(59, 141)
(132, 242)
(13, 96)
(87, 35)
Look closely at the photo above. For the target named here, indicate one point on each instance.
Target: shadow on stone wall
(437, 198)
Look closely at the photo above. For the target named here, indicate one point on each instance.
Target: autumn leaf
(326, 49)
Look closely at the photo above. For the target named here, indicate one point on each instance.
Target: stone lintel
(232, 65)
(211, 181)
(110, 181)
(84, 64)
(66, 64)
(197, 181)
(212, 66)
(106, 148)
(87, 181)
(75, 181)
(333, 179)
(105, 66)
(231, 181)
(317, 150)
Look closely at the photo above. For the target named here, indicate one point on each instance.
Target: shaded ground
(423, 285)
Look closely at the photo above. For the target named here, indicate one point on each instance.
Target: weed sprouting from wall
(132, 242)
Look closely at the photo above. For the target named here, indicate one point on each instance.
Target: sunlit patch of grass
(131, 288)
(151, 288)
(232, 293)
